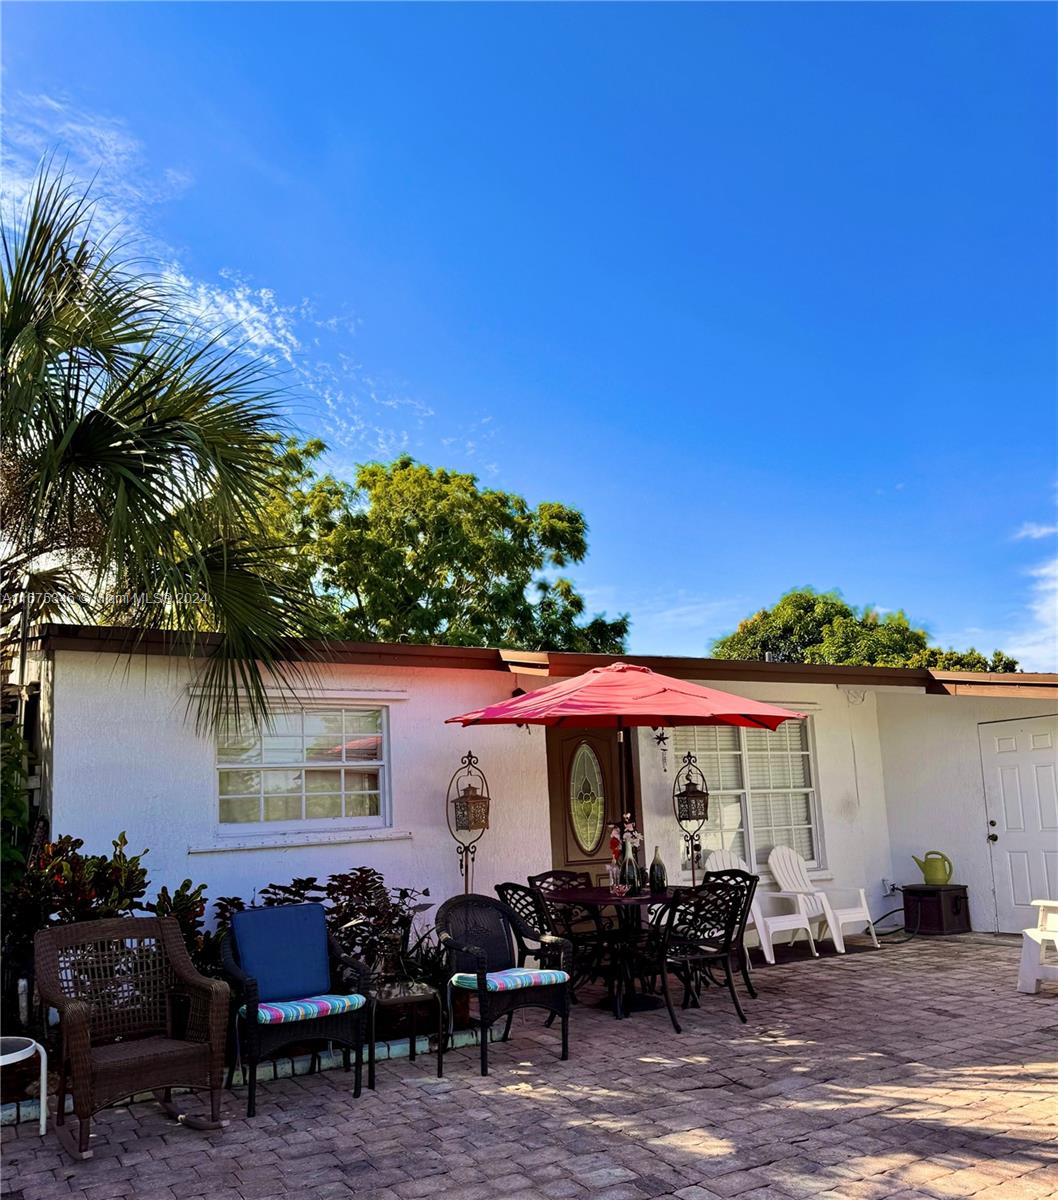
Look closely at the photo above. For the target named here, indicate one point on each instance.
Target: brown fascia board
(118, 640)
(555, 664)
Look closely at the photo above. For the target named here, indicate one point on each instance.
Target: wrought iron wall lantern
(690, 803)
(467, 813)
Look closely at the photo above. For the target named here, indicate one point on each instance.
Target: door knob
(993, 837)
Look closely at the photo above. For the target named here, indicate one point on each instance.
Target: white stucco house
(889, 763)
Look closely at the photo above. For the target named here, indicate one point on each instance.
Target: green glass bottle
(659, 877)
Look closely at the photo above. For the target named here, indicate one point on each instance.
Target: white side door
(1020, 764)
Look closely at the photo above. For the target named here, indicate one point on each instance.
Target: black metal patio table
(626, 948)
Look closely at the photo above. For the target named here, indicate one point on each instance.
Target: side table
(16, 1049)
(410, 995)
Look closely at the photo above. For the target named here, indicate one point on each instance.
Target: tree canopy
(137, 456)
(820, 627)
(412, 553)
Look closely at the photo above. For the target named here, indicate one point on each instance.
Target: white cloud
(1035, 643)
(1030, 633)
(360, 414)
(1035, 531)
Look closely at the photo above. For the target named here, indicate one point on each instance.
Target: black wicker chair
(478, 934)
(291, 983)
(701, 930)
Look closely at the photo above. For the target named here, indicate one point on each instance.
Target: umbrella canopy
(623, 695)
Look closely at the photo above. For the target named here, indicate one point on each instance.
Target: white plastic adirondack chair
(791, 874)
(767, 926)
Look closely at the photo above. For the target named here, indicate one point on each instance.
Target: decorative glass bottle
(659, 877)
(629, 873)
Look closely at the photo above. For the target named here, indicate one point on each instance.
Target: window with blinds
(761, 787)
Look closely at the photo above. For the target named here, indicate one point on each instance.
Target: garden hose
(898, 929)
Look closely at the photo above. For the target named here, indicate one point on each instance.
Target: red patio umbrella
(623, 695)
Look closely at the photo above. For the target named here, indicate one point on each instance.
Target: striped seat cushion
(511, 979)
(278, 1012)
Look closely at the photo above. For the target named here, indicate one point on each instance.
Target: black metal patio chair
(583, 926)
(701, 930)
(478, 935)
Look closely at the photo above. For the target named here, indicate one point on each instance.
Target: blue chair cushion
(510, 980)
(308, 1009)
(284, 949)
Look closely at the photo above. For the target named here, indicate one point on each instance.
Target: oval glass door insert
(587, 801)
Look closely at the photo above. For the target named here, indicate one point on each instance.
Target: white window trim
(345, 837)
(252, 834)
(817, 866)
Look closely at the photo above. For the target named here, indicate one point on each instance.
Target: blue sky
(767, 291)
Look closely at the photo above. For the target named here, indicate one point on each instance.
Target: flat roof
(553, 663)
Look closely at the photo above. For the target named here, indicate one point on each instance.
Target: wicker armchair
(700, 930)
(477, 934)
(134, 1016)
(292, 983)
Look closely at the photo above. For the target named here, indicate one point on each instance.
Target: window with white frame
(309, 769)
(761, 787)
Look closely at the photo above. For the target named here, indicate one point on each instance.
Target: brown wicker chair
(134, 1016)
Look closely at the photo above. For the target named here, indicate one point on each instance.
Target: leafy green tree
(137, 458)
(820, 627)
(410, 553)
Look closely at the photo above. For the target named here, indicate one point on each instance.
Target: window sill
(285, 841)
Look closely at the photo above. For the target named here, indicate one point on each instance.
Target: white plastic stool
(1034, 942)
(16, 1049)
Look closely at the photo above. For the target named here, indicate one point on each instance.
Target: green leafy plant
(14, 807)
(138, 461)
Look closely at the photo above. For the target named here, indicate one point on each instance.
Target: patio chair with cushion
(702, 930)
(292, 983)
(477, 934)
(791, 874)
(766, 925)
(134, 1016)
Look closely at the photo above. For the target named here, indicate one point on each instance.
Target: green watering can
(935, 867)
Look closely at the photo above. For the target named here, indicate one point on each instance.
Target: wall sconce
(690, 803)
(467, 806)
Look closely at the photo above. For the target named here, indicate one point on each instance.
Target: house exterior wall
(897, 772)
(129, 759)
(850, 796)
(931, 762)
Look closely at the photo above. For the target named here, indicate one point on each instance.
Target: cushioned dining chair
(701, 930)
(292, 983)
(134, 1016)
(477, 935)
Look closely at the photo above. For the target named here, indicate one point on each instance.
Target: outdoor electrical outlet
(889, 887)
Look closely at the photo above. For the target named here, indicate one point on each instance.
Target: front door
(583, 770)
(1020, 763)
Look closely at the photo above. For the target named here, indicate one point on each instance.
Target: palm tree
(137, 457)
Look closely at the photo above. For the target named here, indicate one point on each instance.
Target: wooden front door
(583, 769)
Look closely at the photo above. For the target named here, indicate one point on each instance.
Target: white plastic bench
(1034, 970)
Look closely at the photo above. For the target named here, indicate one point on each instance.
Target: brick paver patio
(915, 1072)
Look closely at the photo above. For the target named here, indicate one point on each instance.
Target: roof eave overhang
(555, 664)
